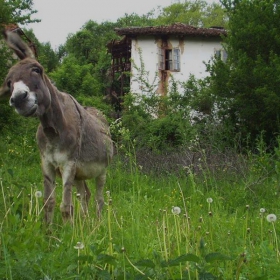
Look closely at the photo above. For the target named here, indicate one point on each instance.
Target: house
(156, 54)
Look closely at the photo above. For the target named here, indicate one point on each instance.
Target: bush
(76, 79)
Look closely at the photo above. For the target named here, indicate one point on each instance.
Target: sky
(59, 18)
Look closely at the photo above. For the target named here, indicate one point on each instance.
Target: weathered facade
(155, 54)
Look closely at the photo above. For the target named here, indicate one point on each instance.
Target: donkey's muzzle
(18, 99)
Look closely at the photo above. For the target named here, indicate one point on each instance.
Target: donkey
(74, 141)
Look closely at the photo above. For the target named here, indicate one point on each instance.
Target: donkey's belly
(82, 170)
(87, 170)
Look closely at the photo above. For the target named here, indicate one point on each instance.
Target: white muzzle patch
(23, 100)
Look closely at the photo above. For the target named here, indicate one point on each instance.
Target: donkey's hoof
(66, 212)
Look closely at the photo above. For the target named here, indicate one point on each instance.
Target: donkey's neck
(53, 119)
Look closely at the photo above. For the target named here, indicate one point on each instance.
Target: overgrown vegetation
(193, 190)
(219, 231)
(249, 81)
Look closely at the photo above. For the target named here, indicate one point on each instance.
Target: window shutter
(161, 58)
(176, 59)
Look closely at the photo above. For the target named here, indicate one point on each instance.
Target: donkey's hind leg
(99, 198)
(83, 193)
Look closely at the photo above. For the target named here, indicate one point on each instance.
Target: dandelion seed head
(209, 199)
(176, 210)
(79, 246)
(38, 194)
(262, 210)
(271, 218)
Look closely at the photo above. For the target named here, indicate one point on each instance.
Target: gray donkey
(74, 141)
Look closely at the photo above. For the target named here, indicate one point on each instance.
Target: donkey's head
(26, 84)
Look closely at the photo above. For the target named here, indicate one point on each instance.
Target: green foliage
(75, 78)
(88, 46)
(7, 116)
(18, 12)
(249, 81)
(139, 236)
(90, 41)
(136, 20)
(46, 55)
(176, 119)
(159, 133)
(197, 13)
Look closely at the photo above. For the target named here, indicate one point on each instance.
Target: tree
(18, 12)
(249, 82)
(74, 78)
(136, 20)
(197, 13)
(86, 44)
(46, 55)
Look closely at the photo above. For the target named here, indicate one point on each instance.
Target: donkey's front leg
(68, 175)
(49, 190)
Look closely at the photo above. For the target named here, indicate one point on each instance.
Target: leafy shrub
(76, 79)
(177, 119)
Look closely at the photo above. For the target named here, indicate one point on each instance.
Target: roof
(179, 29)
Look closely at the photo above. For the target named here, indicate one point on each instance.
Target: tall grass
(218, 230)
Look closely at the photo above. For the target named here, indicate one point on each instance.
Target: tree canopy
(197, 13)
(18, 12)
(250, 80)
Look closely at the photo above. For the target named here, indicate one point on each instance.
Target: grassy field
(212, 224)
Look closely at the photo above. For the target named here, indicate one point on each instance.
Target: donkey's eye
(36, 70)
(9, 84)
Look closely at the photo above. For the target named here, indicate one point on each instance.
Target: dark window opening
(169, 59)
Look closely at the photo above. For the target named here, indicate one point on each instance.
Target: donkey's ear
(20, 48)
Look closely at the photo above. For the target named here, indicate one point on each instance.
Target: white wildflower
(209, 200)
(38, 194)
(262, 210)
(176, 210)
(271, 218)
(79, 246)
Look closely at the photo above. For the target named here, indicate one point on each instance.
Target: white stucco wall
(193, 53)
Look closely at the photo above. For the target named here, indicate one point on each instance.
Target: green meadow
(214, 220)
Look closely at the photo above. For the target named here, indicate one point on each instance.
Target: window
(169, 59)
(221, 54)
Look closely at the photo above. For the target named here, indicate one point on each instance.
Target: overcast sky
(62, 17)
